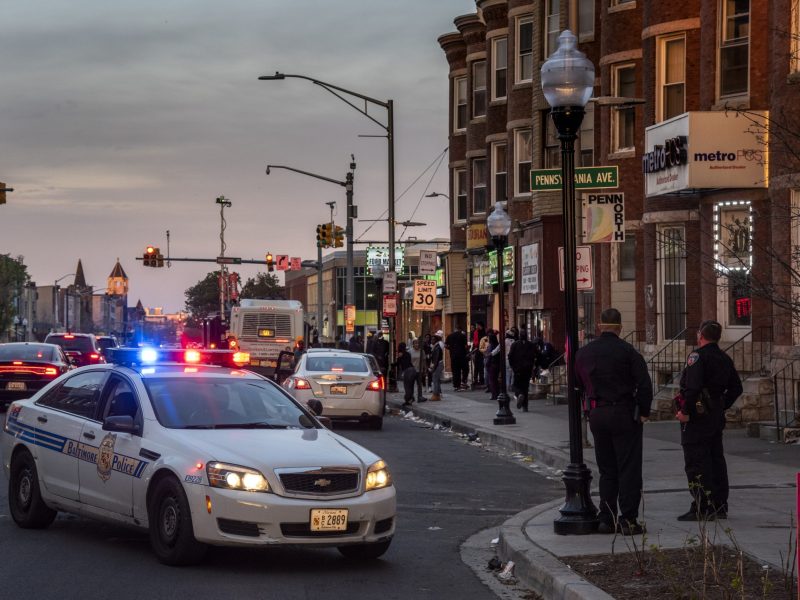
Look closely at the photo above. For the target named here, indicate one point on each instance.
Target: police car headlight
(378, 476)
(234, 477)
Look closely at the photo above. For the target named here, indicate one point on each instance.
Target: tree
(202, 299)
(13, 275)
(263, 286)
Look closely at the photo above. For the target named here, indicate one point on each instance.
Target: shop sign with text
(529, 283)
(508, 265)
(477, 236)
(603, 218)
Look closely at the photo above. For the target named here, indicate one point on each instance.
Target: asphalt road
(447, 491)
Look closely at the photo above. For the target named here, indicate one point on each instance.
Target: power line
(422, 195)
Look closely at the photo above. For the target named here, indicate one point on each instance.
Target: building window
(460, 188)
(479, 186)
(524, 49)
(551, 152)
(551, 27)
(671, 249)
(585, 19)
(671, 96)
(499, 172)
(460, 101)
(479, 88)
(734, 47)
(499, 68)
(522, 161)
(623, 120)
(586, 137)
(627, 258)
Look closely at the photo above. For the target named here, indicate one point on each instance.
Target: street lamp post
(378, 273)
(567, 80)
(55, 298)
(388, 128)
(499, 225)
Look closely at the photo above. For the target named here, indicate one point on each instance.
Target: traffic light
(325, 235)
(270, 263)
(149, 258)
(159, 258)
(338, 237)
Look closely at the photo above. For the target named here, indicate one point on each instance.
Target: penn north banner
(603, 218)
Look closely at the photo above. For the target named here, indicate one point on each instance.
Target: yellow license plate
(339, 389)
(328, 519)
(18, 386)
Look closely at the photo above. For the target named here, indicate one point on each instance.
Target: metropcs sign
(706, 149)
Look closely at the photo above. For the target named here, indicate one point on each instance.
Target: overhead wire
(438, 159)
(427, 187)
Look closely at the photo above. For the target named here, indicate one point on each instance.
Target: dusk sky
(120, 121)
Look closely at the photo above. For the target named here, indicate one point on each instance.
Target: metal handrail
(665, 358)
(786, 385)
(758, 364)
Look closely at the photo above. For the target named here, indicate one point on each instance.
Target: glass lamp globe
(498, 223)
(567, 76)
(378, 271)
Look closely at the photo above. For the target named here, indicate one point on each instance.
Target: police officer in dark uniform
(709, 386)
(618, 393)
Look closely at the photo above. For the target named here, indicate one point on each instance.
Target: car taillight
(299, 383)
(51, 371)
(94, 356)
(376, 384)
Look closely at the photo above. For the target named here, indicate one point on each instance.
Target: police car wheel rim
(25, 490)
(169, 520)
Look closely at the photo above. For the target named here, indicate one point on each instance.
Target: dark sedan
(26, 367)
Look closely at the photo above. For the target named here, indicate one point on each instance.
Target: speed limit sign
(424, 295)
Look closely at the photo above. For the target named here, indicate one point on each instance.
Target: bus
(264, 328)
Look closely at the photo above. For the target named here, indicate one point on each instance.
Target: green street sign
(585, 178)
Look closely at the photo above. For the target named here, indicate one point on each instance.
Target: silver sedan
(345, 383)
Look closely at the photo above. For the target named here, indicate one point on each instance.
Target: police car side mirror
(325, 422)
(121, 423)
(315, 406)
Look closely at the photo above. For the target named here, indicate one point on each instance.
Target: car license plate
(328, 519)
(338, 389)
(18, 386)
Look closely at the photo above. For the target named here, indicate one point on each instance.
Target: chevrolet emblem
(322, 482)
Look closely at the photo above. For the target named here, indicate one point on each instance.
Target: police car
(196, 453)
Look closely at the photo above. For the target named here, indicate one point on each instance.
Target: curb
(537, 568)
(547, 455)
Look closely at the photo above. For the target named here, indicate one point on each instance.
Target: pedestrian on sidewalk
(710, 385)
(511, 337)
(618, 392)
(478, 379)
(456, 344)
(485, 350)
(405, 367)
(522, 358)
(495, 365)
(437, 365)
(418, 360)
(380, 350)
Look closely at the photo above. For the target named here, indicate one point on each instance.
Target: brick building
(696, 104)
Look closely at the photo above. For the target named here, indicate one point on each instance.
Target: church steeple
(80, 279)
(117, 281)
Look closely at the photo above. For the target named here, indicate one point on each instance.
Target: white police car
(197, 454)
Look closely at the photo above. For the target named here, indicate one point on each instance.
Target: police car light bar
(161, 356)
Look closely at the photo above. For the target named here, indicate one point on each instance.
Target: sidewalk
(762, 500)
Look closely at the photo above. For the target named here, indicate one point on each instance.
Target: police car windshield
(222, 403)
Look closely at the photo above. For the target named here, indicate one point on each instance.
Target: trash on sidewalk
(446, 423)
(495, 564)
(472, 436)
(495, 541)
(507, 572)
(434, 528)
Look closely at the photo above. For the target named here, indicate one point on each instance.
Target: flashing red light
(241, 358)
(94, 356)
(191, 356)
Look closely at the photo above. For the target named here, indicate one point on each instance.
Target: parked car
(82, 348)
(344, 382)
(195, 449)
(27, 367)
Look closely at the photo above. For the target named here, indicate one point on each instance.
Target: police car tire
(169, 509)
(365, 551)
(29, 512)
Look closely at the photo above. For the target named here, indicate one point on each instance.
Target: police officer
(618, 392)
(709, 386)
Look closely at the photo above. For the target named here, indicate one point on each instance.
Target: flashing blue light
(148, 355)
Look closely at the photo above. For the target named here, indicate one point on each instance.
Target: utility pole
(169, 263)
(350, 280)
(320, 316)
(223, 275)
